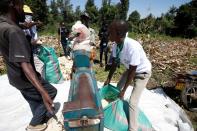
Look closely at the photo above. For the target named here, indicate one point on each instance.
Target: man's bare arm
(131, 75)
(32, 77)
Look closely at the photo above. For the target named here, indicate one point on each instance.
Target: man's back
(15, 49)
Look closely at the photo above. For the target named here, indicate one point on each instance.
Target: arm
(26, 25)
(37, 23)
(73, 35)
(111, 72)
(32, 77)
(131, 75)
(17, 38)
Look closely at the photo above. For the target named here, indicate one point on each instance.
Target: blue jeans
(33, 97)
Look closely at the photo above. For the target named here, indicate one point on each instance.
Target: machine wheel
(188, 96)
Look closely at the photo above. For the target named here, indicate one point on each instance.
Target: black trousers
(33, 97)
(103, 49)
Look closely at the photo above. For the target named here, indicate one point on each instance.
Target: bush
(49, 29)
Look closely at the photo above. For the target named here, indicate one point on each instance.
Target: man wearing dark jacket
(103, 36)
(21, 72)
(63, 35)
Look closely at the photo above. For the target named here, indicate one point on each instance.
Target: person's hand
(39, 41)
(47, 101)
(26, 25)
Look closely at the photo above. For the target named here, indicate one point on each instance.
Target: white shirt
(133, 54)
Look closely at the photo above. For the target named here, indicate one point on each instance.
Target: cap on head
(27, 9)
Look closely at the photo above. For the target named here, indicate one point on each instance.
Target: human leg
(106, 55)
(64, 46)
(140, 82)
(101, 55)
(35, 101)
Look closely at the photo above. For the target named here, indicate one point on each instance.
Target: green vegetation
(179, 22)
(101, 74)
(153, 36)
(48, 30)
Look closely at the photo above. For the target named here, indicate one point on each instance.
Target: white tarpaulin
(163, 113)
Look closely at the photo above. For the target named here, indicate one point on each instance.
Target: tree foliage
(107, 12)
(133, 21)
(39, 9)
(146, 25)
(68, 14)
(78, 13)
(180, 21)
(123, 7)
(176, 22)
(54, 9)
(92, 10)
(186, 20)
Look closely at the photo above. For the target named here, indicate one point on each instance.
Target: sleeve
(134, 57)
(19, 47)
